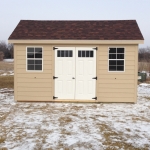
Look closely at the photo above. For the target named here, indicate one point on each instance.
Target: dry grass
(143, 66)
(147, 97)
(6, 66)
(6, 81)
(110, 138)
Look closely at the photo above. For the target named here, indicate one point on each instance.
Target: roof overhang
(87, 42)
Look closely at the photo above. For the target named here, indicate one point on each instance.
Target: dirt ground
(67, 126)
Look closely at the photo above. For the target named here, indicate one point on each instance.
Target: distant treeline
(144, 54)
(7, 50)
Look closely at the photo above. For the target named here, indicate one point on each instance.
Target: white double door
(75, 68)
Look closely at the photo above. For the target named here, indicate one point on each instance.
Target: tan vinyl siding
(117, 86)
(33, 85)
(110, 86)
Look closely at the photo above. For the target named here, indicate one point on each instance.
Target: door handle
(73, 77)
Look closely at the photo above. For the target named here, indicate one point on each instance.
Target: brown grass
(143, 66)
(111, 135)
(6, 66)
(6, 81)
(147, 97)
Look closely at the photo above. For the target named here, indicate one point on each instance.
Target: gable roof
(77, 30)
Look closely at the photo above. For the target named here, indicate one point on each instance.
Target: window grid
(85, 53)
(36, 66)
(117, 60)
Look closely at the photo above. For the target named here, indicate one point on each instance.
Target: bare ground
(67, 126)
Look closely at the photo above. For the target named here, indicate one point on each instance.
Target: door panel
(75, 68)
(65, 71)
(85, 71)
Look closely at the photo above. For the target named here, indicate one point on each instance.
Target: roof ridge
(81, 20)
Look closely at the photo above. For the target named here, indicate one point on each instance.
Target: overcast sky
(12, 11)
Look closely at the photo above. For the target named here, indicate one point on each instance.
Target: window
(64, 53)
(85, 53)
(116, 59)
(34, 58)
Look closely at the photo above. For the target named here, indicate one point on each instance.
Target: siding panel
(34, 80)
(116, 81)
(119, 76)
(33, 89)
(31, 75)
(114, 95)
(116, 86)
(34, 98)
(33, 85)
(115, 90)
(35, 94)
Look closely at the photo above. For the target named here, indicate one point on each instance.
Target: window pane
(120, 50)
(58, 53)
(120, 68)
(66, 53)
(38, 50)
(38, 55)
(120, 62)
(91, 53)
(38, 67)
(112, 50)
(70, 54)
(62, 53)
(30, 55)
(112, 68)
(38, 62)
(30, 49)
(83, 53)
(30, 61)
(112, 56)
(112, 62)
(79, 53)
(30, 67)
(87, 53)
(120, 56)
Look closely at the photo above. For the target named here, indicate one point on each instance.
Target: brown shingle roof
(77, 30)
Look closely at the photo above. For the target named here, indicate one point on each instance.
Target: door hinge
(54, 48)
(54, 97)
(95, 78)
(95, 48)
(94, 98)
(55, 77)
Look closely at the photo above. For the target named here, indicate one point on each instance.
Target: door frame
(53, 70)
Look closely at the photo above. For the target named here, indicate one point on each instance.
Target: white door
(65, 71)
(85, 72)
(75, 69)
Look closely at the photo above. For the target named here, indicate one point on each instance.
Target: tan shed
(76, 61)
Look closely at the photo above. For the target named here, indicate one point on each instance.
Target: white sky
(12, 11)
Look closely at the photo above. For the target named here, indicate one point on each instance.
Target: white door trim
(83, 85)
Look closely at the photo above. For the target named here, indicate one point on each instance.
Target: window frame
(33, 59)
(116, 59)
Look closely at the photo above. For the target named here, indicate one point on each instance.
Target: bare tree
(11, 49)
(7, 49)
(1, 56)
(144, 59)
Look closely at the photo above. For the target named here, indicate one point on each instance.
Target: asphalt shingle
(77, 30)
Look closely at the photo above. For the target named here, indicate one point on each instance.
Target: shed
(76, 61)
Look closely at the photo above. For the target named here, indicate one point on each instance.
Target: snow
(8, 60)
(78, 126)
(8, 73)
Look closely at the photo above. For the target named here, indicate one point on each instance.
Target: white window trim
(34, 59)
(116, 59)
